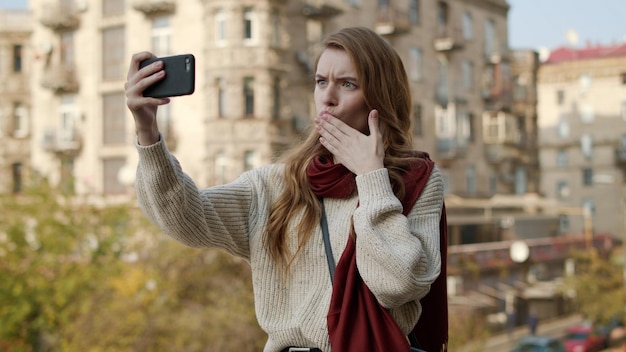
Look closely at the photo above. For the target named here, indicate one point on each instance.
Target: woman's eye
(349, 85)
(321, 82)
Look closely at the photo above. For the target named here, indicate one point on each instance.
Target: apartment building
(15, 123)
(254, 85)
(582, 139)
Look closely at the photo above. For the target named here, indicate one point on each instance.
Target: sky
(543, 23)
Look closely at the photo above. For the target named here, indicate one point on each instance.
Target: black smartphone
(180, 76)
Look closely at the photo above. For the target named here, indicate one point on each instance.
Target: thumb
(372, 121)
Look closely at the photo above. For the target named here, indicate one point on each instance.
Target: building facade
(582, 140)
(15, 103)
(254, 80)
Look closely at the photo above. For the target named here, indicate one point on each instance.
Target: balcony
(61, 79)
(448, 39)
(391, 21)
(321, 9)
(152, 7)
(60, 16)
(500, 128)
(61, 141)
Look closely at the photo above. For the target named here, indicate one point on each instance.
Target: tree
(597, 287)
(53, 251)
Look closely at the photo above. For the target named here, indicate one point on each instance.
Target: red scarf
(356, 321)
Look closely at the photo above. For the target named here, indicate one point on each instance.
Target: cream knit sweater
(397, 256)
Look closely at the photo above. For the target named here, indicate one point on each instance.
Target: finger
(135, 60)
(372, 122)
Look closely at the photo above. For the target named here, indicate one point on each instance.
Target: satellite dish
(519, 252)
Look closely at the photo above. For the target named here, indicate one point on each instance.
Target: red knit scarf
(356, 321)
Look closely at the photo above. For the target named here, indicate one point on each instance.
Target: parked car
(535, 343)
(583, 338)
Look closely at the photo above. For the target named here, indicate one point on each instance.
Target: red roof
(563, 54)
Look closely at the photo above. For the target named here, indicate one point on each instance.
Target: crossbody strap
(326, 236)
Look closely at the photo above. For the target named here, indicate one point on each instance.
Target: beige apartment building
(254, 85)
(582, 140)
(15, 100)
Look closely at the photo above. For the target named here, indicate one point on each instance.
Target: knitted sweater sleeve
(398, 256)
(216, 216)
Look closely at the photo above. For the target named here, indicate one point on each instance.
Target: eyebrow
(344, 78)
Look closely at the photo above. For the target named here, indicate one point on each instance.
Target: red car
(583, 338)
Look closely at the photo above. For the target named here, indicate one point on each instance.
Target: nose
(330, 96)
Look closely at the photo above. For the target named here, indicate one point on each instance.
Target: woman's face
(338, 91)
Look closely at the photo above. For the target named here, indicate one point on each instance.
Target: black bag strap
(331, 264)
(326, 236)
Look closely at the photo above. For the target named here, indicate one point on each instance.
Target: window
(561, 158)
(276, 95)
(113, 55)
(468, 74)
(414, 11)
(417, 120)
(623, 78)
(249, 35)
(248, 96)
(416, 64)
(221, 166)
(113, 8)
(587, 176)
(472, 128)
(563, 127)
(221, 97)
(470, 180)
(560, 97)
(589, 205)
(20, 121)
(563, 223)
(624, 110)
(161, 33)
(250, 160)
(442, 14)
(442, 84)
(164, 121)
(17, 171)
(520, 88)
(68, 50)
(493, 183)
(220, 27)
(17, 58)
(468, 30)
(587, 113)
(114, 119)
(111, 181)
(562, 190)
(521, 180)
(586, 145)
(68, 120)
(585, 83)
(490, 40)
(276, 32)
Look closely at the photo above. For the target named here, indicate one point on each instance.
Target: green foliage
(81, 277)
(597, 287)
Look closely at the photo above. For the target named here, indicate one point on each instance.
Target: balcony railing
(61, 140)
(448, 39)
(321, 9)
(60, 79)
(60, 16)
(151, 7)
(391, 21)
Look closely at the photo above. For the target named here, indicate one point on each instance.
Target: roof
(563, 54)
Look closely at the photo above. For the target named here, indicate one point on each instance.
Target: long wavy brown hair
(386, 88)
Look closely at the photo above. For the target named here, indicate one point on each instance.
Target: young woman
(383, 201)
